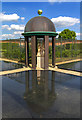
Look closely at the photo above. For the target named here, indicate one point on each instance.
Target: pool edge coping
(50, 68)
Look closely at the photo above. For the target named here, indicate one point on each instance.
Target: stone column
(46, 55)
(27, 51)
(33, 46)
(36, 50)
(53, 51)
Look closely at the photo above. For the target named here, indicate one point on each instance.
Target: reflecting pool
(9, 65)
(77, 66)
(40, 94)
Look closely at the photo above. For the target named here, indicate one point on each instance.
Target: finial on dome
(39, 12)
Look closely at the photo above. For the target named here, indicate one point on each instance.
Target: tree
(67, 34)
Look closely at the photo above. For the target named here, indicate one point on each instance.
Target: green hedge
(14, 51)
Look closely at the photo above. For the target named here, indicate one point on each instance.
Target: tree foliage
(67, 34)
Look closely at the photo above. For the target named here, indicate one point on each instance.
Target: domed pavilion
(39, 27)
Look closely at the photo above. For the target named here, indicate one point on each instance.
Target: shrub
(57, 53)
(13, 51)
(67, 46)
(66, 53)
(50, 52)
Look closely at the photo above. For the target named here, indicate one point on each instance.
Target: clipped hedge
(14, 51)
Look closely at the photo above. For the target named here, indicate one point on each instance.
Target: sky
(15, 15)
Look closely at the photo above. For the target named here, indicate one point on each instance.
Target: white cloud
(6, 27)
(17, 27)
(18, 32)
(13, 27)
(77, 34)
(11, 36)
(11, 17)
(58, 32)
(22, 18)
(61, 22)
(6, 36)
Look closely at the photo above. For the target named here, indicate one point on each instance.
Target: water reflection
(38, 94)
(5, 65)
(41, 94)
(75, 66)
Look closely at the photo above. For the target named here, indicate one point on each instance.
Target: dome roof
(40, 23)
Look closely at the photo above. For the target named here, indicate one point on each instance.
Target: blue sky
(65, 15)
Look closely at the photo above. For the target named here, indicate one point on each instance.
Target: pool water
(76, 66)
(40, 94)
(9, 65)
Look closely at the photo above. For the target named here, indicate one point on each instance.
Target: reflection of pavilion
(40, 94)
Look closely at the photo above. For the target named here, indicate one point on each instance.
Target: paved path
(50, 68)
(66, 71)
(68, 61)
(4, 59)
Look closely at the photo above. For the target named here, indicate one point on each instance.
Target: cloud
(18, 32)
(11, 17)
(11, 36)
(17, 27)
(77, 34)
(13, 27)
(61, 22)
(6, 36)
(6, 27)
(58, 32)
(22, 18)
